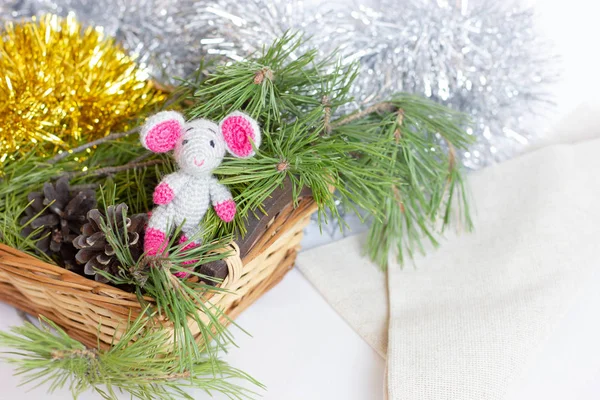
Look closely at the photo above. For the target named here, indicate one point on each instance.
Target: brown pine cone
(60, 212)
(95, 250)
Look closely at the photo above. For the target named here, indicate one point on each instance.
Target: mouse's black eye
(212, 144)
(184, 142)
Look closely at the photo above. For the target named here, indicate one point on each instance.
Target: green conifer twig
(362, 155)
(138, 365)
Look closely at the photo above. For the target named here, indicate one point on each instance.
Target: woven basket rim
(60, 272)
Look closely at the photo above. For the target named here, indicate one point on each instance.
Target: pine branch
(274, 86)
(138, 365)
(89, 145)
(425, 163)
(395, 160)
(375, 108)
(114, 169)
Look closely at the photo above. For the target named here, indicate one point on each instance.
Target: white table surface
(300, 348)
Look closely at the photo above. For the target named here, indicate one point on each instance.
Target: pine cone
(60, 213)
(94, 249)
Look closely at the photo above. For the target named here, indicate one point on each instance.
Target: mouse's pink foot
(182, 274)
(155, 242)
(191, 245)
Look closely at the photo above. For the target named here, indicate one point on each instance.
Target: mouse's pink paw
(226, 210)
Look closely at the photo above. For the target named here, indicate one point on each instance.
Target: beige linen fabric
(352, 285)
(464, 322)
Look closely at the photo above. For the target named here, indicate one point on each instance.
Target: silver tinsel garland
(484, 60)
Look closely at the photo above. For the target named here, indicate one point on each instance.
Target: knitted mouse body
(175, 208)
(183, 197)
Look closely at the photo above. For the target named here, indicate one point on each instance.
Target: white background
(301, 349)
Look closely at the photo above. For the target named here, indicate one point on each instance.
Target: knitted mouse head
(199, 145)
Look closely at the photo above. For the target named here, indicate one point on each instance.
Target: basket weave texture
(96, 313)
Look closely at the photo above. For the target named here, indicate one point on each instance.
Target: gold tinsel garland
(62, 84)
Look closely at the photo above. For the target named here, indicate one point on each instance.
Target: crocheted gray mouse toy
(199, 146)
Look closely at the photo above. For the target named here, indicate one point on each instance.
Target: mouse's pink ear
(161, 131)
(239, 131)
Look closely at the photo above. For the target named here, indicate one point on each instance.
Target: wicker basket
(93, 312)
